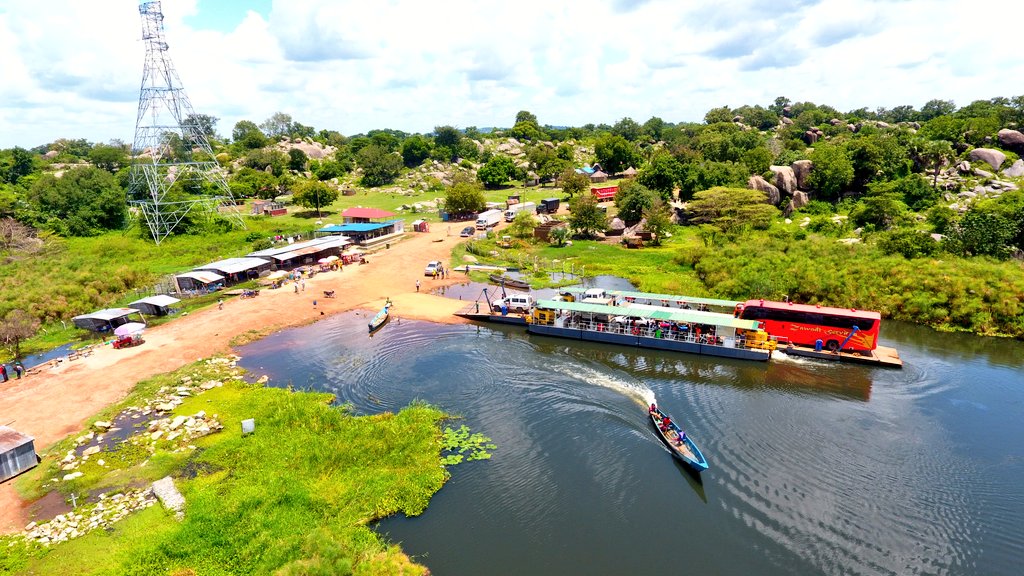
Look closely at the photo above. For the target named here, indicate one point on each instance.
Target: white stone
(156, 435)
(90, 451)
(177, 422)
(72, 476)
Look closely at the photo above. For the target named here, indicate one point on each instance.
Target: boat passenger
(653, 409)
(666, 424)
(680, 438)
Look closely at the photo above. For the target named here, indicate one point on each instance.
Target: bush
(817, 208)
(908, 242)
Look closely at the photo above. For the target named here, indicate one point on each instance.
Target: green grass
(295, 497)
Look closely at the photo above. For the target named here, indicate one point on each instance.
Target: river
(815, 468)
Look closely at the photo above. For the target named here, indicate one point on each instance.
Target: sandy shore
(56, 402)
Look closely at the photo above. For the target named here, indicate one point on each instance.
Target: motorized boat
(681, 446)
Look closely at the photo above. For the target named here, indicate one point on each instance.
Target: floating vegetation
(458, 442)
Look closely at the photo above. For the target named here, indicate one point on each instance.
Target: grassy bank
(293, 498)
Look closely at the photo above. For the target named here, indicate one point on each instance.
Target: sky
(73, 68)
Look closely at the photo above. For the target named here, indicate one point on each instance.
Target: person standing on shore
(417, 285)
(3, 371)
(18, 369)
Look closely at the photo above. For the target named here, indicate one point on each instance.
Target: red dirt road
(57, 402)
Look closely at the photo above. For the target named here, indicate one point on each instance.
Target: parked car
(468, 231)
(432, 268)
(513, 302)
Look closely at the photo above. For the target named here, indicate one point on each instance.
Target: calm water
(816, 468)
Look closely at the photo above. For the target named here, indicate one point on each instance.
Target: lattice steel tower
(174, 173)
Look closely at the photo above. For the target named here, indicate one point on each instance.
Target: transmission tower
(174, 173)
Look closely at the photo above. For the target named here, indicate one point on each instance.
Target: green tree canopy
(315, 194)
(249, 182)
(615, 153)
(628, 129)
(657, 220)
(572, 182)
(109, 157)
(297, 160)
(522, 226)
(379, 166)
(266, 159)
(464, 196)
(586, 218)
(833, 171)
(415, 149)
(732, 209)
(447, 137)
(632, 199)
(497, 171)
(526, 116)
(248, 136)
(982, 233)
(82, 202)
(661, 175)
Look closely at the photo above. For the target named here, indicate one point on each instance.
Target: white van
(487, 219)
(528, 207)
(520, 303)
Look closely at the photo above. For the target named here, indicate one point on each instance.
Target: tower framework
(174, 173)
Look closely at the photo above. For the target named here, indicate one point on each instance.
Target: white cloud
(73, 70)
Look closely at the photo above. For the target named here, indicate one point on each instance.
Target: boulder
(811, 137)
(785, 179)
(994, 158)
(982, 173)
(802, 170)
(1011, 139)
(1016, 170)
(836, 122)
(785, 121)
(964, 167)
(758, 183)
(799, 200)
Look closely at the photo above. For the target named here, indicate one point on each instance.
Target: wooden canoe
(686, 451)
(509, 282)
(380, 319)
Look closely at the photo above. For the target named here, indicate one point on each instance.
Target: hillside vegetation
(907, 192)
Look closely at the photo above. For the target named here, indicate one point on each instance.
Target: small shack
(237, 269)
(268, 208)
(105, 320)
(420, 226)
(17, 453)
(599, 176)
(198, 281)
(159, 305)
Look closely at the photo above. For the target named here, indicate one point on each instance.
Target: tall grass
(295, 497)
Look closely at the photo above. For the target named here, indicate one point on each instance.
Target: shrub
(908, 242)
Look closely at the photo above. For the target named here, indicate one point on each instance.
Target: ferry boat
(649, 326)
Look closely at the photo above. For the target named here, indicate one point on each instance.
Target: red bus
(805, 324)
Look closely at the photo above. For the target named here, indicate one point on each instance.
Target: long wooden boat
(509, 282)
(381, 318)
(681, 446)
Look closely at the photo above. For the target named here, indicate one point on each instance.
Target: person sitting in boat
(681, 438)
(653, 409)
(666, 424)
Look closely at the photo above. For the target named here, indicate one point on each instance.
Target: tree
(464, 196)
(982, 233)
(266, 159)
(716, 115)
(657, 220)
(415, 149)
(498, 170)
(615, 153)
(16, 326)
(935, 153)
(248, 136)
(203, 124)
(109, 158)
(832, 172)
(908, 242)
(654, 127)
(249, 182)
(315, 194)
(447, 137)
(732, 209)
(628, 129)
(881, 211)
(525, 116)
(559, 235)
(379, 166)
(586, 217)
(82, 202)
(522, 226)
(632, 199)
(16, 164)
(572, 182)
(661, 175)
(278, 125)
(297, 160)
(934, 108)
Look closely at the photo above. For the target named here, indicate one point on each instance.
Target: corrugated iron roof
(234, 265)
(203, 276)
(11, 439)
(158, 300)
(106, 315)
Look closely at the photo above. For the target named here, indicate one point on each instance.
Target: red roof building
(356, 215)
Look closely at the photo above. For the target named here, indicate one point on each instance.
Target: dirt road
(56, 402)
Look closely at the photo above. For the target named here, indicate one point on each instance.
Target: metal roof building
(17, 453)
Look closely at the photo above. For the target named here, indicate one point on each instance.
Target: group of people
(666, 424)
(16, 367)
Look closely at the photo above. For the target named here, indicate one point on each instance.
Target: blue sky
(72, 68)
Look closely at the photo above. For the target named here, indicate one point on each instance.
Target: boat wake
(638, 391)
